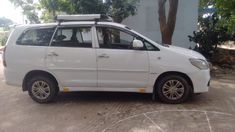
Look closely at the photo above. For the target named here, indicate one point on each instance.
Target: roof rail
(83, 17)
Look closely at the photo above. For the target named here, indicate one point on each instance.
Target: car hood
(185, 52)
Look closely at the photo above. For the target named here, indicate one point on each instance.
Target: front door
(71, 57)
(119, 65)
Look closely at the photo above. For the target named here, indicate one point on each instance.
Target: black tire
(161, 86)
(53, 88)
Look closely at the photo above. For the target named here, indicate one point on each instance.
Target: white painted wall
(146, 21)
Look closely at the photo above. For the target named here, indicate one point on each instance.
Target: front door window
(113, 38)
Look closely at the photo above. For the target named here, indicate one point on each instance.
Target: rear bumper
(12, 78)
(200, 80)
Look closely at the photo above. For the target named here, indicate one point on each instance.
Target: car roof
(71, 23)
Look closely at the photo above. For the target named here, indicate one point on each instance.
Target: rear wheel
(42, 89)
(173, 89)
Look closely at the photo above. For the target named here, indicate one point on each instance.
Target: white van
(84, 53)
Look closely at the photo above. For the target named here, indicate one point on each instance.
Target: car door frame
(146, 89)
(92, 26)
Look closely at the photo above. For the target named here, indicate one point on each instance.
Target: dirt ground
(119, 112)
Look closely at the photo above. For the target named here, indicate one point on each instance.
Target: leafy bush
(3, 38)
(210, 35)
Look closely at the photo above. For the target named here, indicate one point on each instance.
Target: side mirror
(137, 44)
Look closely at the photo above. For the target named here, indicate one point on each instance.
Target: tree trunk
(54, 14)
(167, 25)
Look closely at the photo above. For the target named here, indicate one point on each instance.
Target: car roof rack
(83, 17)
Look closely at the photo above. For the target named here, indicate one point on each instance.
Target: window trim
(72, 26)
(125, 31)
(34, 28)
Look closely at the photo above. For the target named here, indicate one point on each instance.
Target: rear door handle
(53, 54)
(103, 56)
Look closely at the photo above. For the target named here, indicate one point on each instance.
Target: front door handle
(103, 56)
(53, 54)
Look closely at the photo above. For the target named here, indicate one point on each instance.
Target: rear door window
(73, 37)
(36, 37)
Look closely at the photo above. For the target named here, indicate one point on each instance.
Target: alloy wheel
(173, 89)
(41, 89)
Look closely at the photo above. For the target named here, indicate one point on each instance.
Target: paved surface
(119, 112)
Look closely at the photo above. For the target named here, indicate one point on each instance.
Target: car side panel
(21, 59)
(168, 61)
(75, 67)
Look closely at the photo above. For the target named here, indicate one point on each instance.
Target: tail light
(3, 57)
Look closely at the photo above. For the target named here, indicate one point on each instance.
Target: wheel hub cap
(173, 89)
(40, 89)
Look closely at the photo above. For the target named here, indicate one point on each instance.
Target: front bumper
(200, 80)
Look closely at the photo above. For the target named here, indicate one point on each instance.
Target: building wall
(146, 21)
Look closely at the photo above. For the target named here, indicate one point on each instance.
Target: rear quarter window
(36, 37)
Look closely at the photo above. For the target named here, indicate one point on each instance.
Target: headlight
(199, 63)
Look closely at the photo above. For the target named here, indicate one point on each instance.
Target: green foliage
(225, 9)
(118, 9)
(29, 9)
(210, 35)
(3, 38)
(4, 30)
(48, 8)
(51, 7)
(4, 22)
(89, 7)
(205, 3)
(215, 29)
(47, 17)
(121, 9)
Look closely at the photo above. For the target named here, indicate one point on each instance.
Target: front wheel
(42, 89)
(173, 89)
